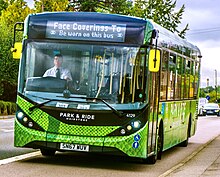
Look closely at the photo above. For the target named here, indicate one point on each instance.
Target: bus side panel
(176, 115)
(164, 109)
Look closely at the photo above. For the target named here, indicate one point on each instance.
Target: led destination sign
(85, 31)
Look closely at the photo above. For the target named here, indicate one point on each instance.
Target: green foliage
(81, 5)
(50, 6)
(16, 11)
(3, 5)
(214, 93)
(108, 6)
(160, 11)
(7, 108)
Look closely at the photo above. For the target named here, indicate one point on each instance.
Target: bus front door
(153, 100)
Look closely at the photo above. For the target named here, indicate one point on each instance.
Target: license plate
(74, 147)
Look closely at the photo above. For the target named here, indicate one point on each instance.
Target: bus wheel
(160, 143)
(47, 152)
(150, 160)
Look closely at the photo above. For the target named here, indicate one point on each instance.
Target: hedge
(7, 108)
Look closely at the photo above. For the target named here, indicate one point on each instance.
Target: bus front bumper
(133, 145)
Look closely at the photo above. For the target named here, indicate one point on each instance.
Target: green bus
(132, 88)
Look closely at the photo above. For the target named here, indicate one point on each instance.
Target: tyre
(160, 143)
(151, 160)
(48, 152)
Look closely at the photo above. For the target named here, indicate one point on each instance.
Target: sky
(203, 19)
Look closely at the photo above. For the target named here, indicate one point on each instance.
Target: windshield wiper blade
(39, 105)
(118, 113)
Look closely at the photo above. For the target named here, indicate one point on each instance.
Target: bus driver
(58, 71)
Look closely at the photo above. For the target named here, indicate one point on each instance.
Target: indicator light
(30, 124)
(123, 131)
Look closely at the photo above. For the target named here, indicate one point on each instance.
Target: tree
(109, 6)
(50, 6)
(3, 5)
(81, 5)
(160, 11)
(211, 91)
(15, 11)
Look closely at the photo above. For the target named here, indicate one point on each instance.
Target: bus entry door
(153, 101)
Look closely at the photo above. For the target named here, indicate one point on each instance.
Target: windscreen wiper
(118, 113)
(40, 105)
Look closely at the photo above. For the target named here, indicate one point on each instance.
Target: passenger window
(163, 88)
(171, 76)
(187, 78)
(178, 78)
(192, 80)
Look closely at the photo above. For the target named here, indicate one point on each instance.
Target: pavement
(6, 116)
(204, 162)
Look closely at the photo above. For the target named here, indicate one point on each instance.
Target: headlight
(136, 124)
(132, 126)
(26, 121)
(20, 115)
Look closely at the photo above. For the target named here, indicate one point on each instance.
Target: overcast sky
(203, 17)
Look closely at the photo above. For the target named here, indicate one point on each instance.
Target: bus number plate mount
(74, 147)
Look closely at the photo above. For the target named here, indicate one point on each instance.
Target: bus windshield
(116, 74)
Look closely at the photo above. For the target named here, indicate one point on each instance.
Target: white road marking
(6, 130)
(20, 157)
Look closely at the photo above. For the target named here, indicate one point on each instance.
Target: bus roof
(135, 28)
(171, 40)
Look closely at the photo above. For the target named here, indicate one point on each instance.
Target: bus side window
(192, 79)
(196, 78)
(183, 78)
(171, 76)
(178, 78)
(163, 88)
(187, 78)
